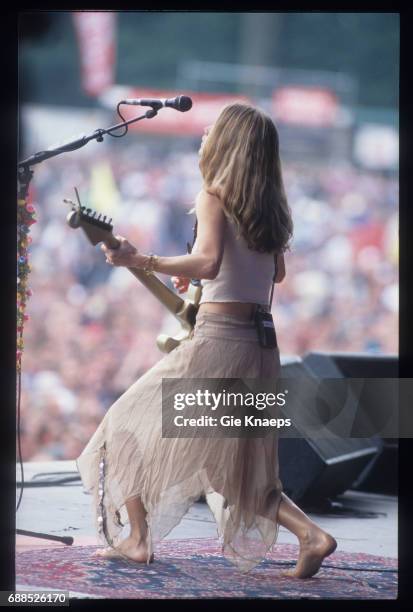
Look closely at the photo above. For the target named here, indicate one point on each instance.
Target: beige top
(244, 276)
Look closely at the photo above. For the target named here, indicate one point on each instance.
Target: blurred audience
(92, 329)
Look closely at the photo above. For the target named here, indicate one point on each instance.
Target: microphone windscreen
(184, 103)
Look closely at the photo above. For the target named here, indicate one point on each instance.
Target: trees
(152, 44)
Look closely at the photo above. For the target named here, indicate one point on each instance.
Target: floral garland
(26, 214)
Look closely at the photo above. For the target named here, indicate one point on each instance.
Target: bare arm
(204, 263)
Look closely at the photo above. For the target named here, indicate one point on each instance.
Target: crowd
(92, 328)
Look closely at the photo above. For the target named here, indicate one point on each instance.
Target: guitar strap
(264, 322)
(189, 246)
(273, 280)
(194, 281)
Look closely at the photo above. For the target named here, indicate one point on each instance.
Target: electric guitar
(98, 229)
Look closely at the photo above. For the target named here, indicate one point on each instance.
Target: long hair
(240, 164)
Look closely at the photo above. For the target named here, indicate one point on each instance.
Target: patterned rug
(195, 568)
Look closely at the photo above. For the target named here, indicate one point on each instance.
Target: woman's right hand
(181, 283)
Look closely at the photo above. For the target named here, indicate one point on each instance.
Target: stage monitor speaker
(313, 470)
(362, 365)
(382, 476)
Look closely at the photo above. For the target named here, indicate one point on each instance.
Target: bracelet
(151, 263)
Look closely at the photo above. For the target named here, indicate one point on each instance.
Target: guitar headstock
(97, 227)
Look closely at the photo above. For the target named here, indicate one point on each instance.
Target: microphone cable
(124, 120)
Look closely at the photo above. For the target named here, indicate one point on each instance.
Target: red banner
(305, 106)
(96, 37)
(205, 110)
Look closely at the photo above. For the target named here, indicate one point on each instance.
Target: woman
(134, 474)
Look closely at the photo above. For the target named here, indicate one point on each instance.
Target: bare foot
(313, 550)
(128, 548)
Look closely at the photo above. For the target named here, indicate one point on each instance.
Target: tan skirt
(128, 457)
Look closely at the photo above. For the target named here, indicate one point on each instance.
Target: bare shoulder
(211, 218)
(206, 201)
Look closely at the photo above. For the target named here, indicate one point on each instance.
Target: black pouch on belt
(265, 329)
(264, 322)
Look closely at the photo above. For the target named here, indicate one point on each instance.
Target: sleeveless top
(244, 276)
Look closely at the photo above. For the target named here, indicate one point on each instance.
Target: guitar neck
(166, 296)
(169, 299)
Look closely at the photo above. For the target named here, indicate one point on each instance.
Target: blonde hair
(240, 164)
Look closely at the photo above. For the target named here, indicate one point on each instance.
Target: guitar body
(99, 230)
(167, 343)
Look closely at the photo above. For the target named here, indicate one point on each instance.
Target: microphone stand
(81, 142)
(25, 174)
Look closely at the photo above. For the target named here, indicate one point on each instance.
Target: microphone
(180, 103)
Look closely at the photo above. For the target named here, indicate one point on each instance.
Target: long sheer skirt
(127, 456)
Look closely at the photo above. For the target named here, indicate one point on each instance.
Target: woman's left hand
(126, 255)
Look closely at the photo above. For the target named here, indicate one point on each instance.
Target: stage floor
(363, 522)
